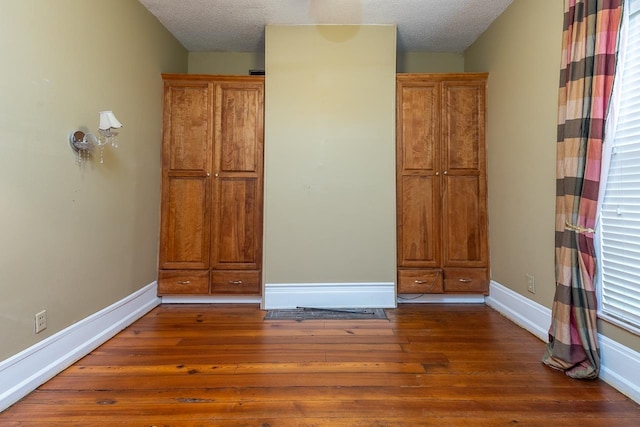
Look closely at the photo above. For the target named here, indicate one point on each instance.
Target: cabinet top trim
(441, 76)
(399, 76)
(211, 77)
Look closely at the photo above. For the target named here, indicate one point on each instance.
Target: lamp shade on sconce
(108, 121)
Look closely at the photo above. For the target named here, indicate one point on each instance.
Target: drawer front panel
(235, 282)
(183, 282)
(420, 281)
(469, 280)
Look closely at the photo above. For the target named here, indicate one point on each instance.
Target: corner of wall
(27, 370)
(620, 365)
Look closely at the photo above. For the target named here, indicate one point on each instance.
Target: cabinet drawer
(235, 282)
(183, 282)
(420, 281)
(471, 280)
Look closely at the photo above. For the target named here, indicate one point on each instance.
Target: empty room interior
(220, 160)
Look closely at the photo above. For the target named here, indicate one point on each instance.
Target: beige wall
(329, 154)
(233, 63)
(523, 64)
(75, 240)
(429, 62)
(239, 63)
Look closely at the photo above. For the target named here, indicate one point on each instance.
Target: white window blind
(620, 210)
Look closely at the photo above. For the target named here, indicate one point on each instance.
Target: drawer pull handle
(466, 280)
(184, 282)
(235, 282)
(419, 282)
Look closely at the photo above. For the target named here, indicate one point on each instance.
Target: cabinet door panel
(187, 128)
(239, 130)
(185, 224)
(238, 147)
(238, 225)
(464, 222)
(419, 126)
(418, 217)
(463, 133)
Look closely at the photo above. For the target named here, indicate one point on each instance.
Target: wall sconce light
(83, 143)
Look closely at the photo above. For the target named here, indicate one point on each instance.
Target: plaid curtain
(589, 45)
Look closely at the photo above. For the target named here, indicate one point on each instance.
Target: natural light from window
(619, 231)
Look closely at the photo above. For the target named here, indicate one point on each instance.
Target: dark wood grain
(223, 365)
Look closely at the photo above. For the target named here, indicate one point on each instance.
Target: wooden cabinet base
(449, 280)
(183, 282)
(466, 280)
(420, 281)
(235, 282)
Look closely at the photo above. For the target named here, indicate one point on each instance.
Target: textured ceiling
(238, 25)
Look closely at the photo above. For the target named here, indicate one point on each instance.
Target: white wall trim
(27, 370)
(524, 312)
(620, 365)
(329, 295)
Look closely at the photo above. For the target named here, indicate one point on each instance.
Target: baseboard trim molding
(522, 311)
(329, 295)
(27, 370)
(620, 365)
(441, 299)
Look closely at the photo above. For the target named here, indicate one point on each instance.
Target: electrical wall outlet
(41, 321)
(531, 283)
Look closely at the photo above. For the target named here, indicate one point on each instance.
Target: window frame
(629, 39)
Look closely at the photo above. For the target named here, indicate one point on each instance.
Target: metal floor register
(314, 313)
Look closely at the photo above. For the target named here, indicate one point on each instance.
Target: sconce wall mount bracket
(83, 143)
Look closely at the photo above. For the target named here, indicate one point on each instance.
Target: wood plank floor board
(89, 398)
(254, 413)
(223, 365)
(422, 421)
(177, 356)
(249, 368)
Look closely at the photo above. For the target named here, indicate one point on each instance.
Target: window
(619, 234)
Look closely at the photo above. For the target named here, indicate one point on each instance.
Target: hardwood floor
(223, 365)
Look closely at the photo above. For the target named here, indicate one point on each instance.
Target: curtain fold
(589, 43)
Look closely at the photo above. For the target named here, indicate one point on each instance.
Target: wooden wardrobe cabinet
(441, 184)
(212, 184)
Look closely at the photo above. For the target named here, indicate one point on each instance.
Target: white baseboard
(620, 365)
(329, 295)
(524, 312)
(27, 370)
